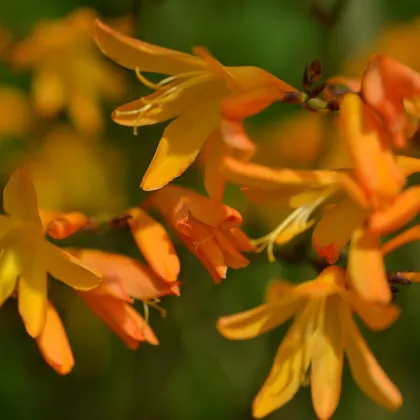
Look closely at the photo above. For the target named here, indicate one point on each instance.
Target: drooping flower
(323, 331)
(124, 279)
(209, 229)
(68, 74)
(200, 93)
(27, 257)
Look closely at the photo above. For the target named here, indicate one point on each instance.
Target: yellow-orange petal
(374, 163)
(366, 271)
(65, 267)
(367, 373)
(155, 244)
(327, 363)
(404, 208)
(259, 176)
(9, 272)
(32, 295)
(376, 316)
(180, 144)
(132, 53)
(408, 165)
(335, 228)
(54, 344)
(259, 320)
(286, 375)
(19, 198)
(135, 278)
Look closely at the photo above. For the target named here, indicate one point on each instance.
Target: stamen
(298, 219)
(146, 82)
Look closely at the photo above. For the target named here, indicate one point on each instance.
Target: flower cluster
(351, 204)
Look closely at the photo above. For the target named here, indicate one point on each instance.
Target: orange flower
(344, 211)
(209, 229)
(386, 85)
(68, 72)
(322, 331)
(27, 257)
(124, 280)
(200, 93)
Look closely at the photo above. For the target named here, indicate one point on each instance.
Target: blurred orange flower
(72, 173)
(209, 229)
(68, 73)
(322, 331)
(200, 93)
(27, 255)
(16, 116)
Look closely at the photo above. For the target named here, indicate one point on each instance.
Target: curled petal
(54, 344)
(366, 271)
(239, 239)
(366, 371)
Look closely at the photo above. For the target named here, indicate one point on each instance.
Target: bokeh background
(83, 161)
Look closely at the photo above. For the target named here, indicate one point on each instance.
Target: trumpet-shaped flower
(68, 74)
(323, 330)
(209, 229)
(26, 256)
(124, 280)
(200, 93)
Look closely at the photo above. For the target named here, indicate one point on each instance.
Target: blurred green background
(194, 373)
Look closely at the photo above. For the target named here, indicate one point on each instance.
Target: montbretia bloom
(336, 203)
(323, 330)
(200, 94)
(209, 229)
(26, 257)
(68, 73)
